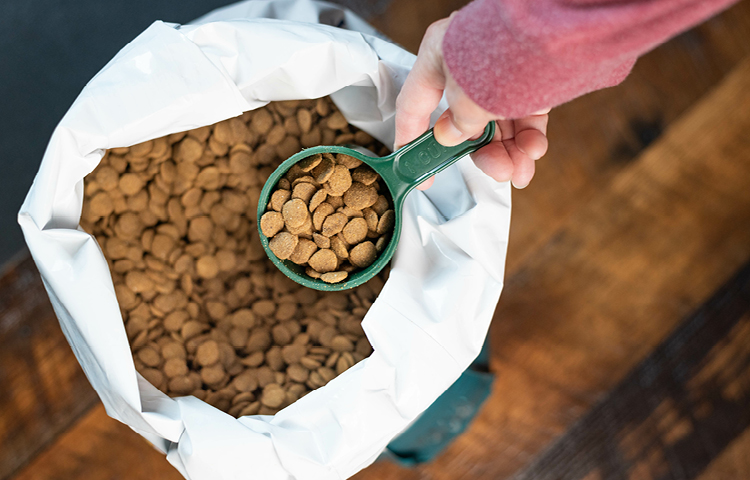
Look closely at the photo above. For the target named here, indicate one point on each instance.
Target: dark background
(48, 51)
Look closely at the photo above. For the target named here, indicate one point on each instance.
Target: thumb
(463, 120)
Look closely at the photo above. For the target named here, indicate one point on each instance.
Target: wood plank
(611, 284)
(674, 413)
(406, 21)
(99, 448)
(733, 463)
(44, 389)
(580, 139)
(595, 137)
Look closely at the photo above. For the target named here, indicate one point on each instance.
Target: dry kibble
(371, 218)
(189, 150)
(324, 260)
(305, 192)
(274, 360)
(264, 308)
(293, 353)
(334, 277)
(206, 313)
(339, 247)
(355, 231)
(297, 372)
(303, 251)
(153, 376)
(381, 205)
(216, 310)
(381, 244)
(304, 120)
(207, 353)
(321, 240)
(283, 245)
(246, 381)
(318, 198)
(101, 204)
(271, 223)
(226, 259)
(363, 254)
(175, 367)
(207, 267)
(126, 297)
(333, 224)
(324, 169)
(340, 343)
(364, 175)
(213, 375)
(281, 336)
(130, 184)
(181, 385)
(276, 135)
(385, 224)
(339, 182)
(149, 356)
(360, 196)
(312, 273)
(200, 229)
(172, 350)
(335, 201)
(279, 198)
(208, 178)
(347, 160)
(162, 246)
(244, 318)
(337, 121)
(107, 177)
(129, 225)
(138, 281)
(262, 121)
(320, 215)
(273, 395)
(174, 321)
(295, 213)
(309, 163)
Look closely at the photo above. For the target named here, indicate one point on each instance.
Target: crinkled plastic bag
(426, 326)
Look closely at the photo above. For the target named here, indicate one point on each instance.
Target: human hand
(517, 144)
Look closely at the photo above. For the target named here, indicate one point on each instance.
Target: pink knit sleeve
(514, 57)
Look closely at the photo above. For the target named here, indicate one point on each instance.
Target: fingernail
(532, 155)
(520, 186)
(446, 133)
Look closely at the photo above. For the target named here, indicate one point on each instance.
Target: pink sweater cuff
(515, 57)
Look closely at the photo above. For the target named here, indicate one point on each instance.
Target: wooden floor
(621, 343)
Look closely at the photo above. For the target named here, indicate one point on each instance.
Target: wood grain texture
(99, 448)
(637, 215)
(594, 137)
(611, 284)
(733, 463)
(43, 389)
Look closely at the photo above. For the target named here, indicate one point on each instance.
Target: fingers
(426, 184)
(423, 87)
(463, 120)
(531, 135)
(517, 143)
(513, 152)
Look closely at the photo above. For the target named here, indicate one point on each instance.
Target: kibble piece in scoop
(363, 254)
(283, 244)
(271, 223)
(295, 213)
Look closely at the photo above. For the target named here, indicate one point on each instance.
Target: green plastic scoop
(401, 171)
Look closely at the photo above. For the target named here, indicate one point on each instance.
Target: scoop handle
(417, 161)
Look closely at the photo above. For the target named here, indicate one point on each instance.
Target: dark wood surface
(620, 343)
